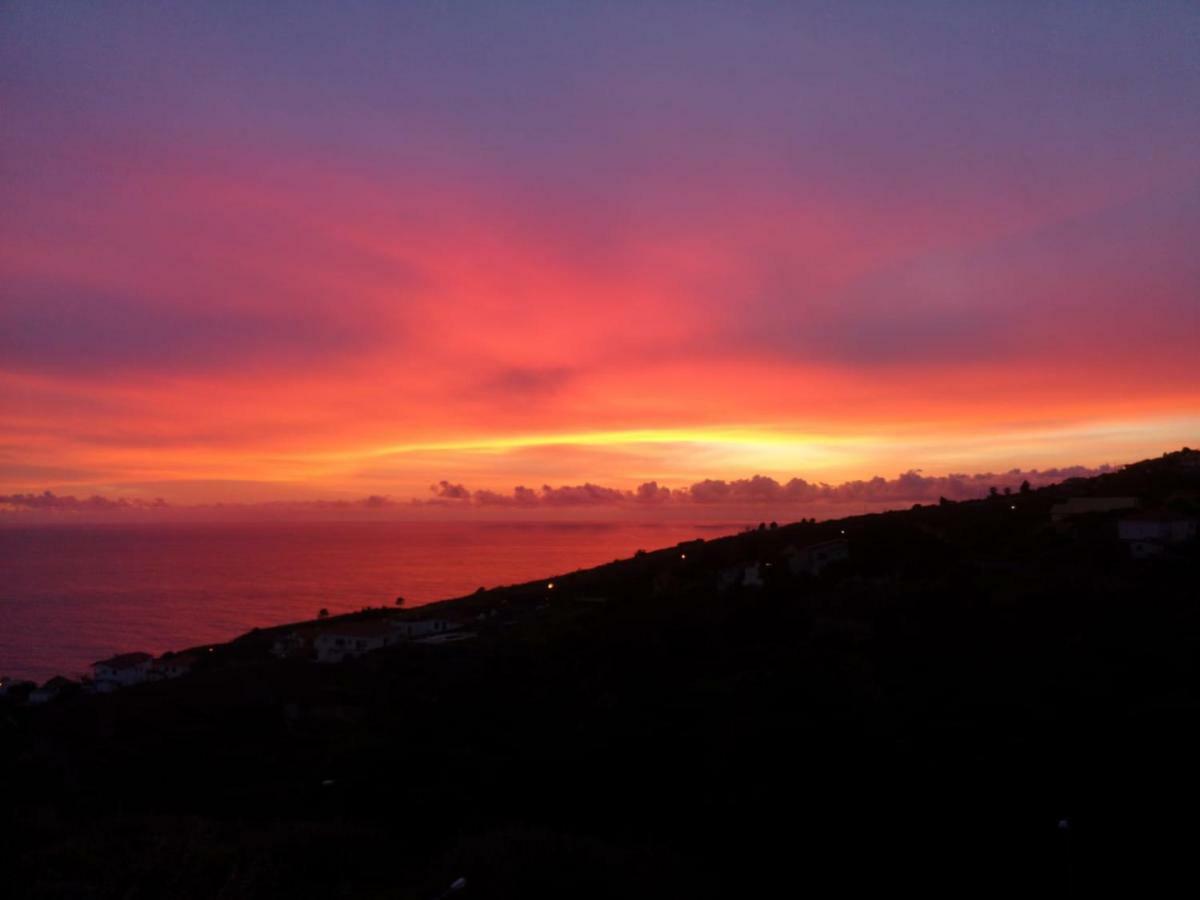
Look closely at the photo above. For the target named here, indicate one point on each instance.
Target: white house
(1150, 533)
(338, 642)
(814, 558)
(412, 629)
(1166, 528)
(749, 576)
(121, 671)
(288, 644)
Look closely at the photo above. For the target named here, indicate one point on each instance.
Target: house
(173, 665)
(122, 670)
(413, 629)
(1078, 506)
(52, 690)
(1150, 533)
(349, 639)
(749, 576)
(814, 558)
(289, 644)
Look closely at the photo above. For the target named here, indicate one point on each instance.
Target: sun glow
(367, 296)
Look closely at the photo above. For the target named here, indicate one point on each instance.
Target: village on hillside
(1080, 511)
(1007, 683)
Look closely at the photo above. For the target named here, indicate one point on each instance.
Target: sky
(256, 253)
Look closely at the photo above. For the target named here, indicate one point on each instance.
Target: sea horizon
(79, 592)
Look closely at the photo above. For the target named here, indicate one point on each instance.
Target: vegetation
(977, 702)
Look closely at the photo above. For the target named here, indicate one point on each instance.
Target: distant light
(210, 649)
(1014, 506)
(843, 531)
(683, 556)
(550, 586)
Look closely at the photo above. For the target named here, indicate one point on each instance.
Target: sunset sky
(254, 252)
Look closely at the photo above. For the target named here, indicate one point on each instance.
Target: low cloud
(908, 487)
(650, 493)
(711, 493)
(48, 501)
(444, 490)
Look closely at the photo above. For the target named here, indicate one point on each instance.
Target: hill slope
(976, 701)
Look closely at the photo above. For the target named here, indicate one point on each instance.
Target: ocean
(73, 594)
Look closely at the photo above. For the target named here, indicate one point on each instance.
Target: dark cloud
(520, 496)
(650, 492)
(582, 495)
(48, 501)
(62, 329)
(709, 491)
(523, 381)
(908, 487)
(444, 490)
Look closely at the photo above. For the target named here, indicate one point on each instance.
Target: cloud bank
(908, 487)
(48, 501)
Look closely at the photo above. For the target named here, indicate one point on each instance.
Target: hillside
(978, 700)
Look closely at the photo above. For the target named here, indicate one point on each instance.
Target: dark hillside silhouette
(974, 700)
